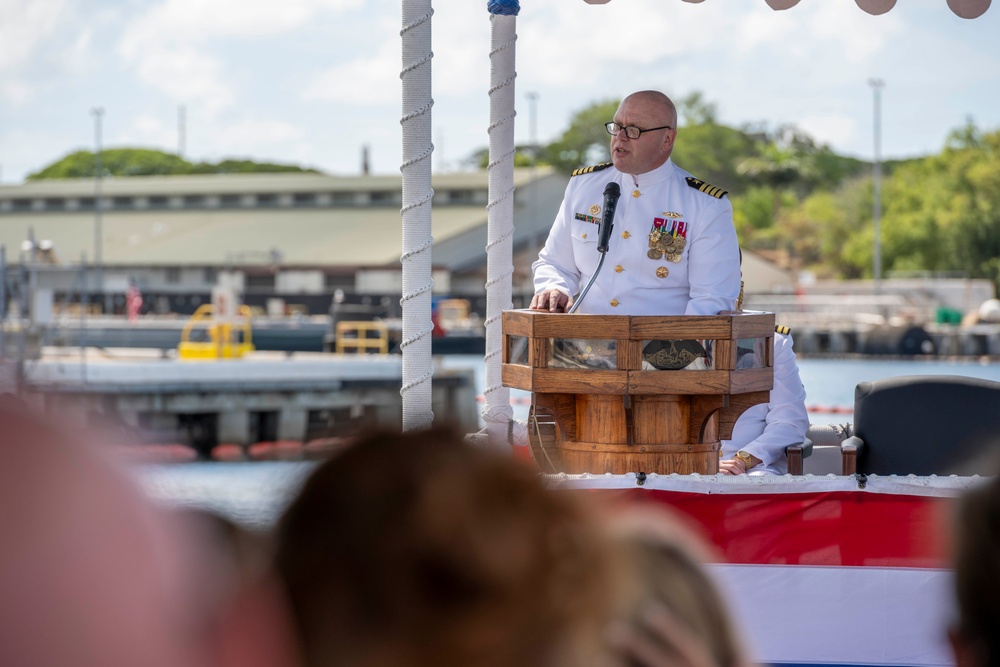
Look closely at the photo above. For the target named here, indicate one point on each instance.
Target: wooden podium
(618, 394)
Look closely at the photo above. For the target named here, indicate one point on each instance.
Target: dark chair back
(925, 424)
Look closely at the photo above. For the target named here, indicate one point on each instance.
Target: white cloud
(597, 43)
(367, 80)
(253, 133)
(765, 27)
(860, 36)
(15, 91)
(173, 45)
(198, 20)
(830, 129)
(146, 124)
(25, 23)
(29, 150)
(186, 74)
(24, 27)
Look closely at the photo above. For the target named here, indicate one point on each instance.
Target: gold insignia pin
(595, 209)
(671, 214)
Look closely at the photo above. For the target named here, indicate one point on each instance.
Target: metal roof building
(298, 237)
(283, 234)
(298, 219)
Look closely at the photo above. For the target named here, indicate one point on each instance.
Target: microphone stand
(586, 289)
(611, 193)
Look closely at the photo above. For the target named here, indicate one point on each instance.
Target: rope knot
(504, 7)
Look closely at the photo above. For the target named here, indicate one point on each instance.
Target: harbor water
(255, 493)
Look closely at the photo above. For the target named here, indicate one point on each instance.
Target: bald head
(655, 115)
(656, 100)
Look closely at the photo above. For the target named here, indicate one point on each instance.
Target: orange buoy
(261, 451)
(275, 450)
(228, 452)
(321, 448)
(287, 450)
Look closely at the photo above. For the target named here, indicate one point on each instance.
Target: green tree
(786, 159)
(940, 213)
(115, 162)
(710, 152)
(246, 167)
(524, 156)
(694, 109)
(122, 162)
(970, 165)
(585, 141)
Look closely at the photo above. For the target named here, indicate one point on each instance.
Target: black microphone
(612, 191)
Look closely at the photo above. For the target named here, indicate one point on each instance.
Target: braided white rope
(416, 215)
(497, 412)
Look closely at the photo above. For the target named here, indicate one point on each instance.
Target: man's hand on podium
(553, 300)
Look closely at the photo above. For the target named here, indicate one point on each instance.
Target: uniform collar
(651, 178)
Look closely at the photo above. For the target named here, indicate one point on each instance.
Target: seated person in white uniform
(764, 430)
(673, 248)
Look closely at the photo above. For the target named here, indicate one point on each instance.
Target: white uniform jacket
(766, 429)
(702, 277)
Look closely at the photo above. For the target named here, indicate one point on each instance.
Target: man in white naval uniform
(761, 434)
(673, 250)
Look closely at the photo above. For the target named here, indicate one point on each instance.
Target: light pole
(533, 140)
(533, 125)
(98, 114)
(876, 85)
(181, 130)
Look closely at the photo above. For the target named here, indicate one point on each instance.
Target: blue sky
(312, 81)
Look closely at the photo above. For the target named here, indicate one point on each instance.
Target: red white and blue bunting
(820, 570)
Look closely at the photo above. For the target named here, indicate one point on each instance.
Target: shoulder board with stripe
(779, 328)
(591, 169)
(707, 188)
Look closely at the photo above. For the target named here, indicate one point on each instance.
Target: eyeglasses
(632, 132)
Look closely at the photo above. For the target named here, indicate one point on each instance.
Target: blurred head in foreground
(93, 573)
(419, 550)
(676, 616)
(975, 637)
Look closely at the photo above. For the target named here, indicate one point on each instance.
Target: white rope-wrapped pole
(416, 215)
(497, 413)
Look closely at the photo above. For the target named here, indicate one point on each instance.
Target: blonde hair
(669, 571)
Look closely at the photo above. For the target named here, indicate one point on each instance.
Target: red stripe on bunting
(825, 528)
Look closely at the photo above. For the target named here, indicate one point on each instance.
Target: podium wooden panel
(629, 418)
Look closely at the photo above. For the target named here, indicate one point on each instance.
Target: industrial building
(291, 242)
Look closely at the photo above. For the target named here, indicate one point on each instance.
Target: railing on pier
(356, 337)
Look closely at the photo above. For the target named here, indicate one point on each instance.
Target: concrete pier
(266, 396)
(980, 340)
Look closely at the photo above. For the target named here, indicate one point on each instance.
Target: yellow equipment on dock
(361, 337)
(225, 341)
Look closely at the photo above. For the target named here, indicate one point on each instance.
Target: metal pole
(98, 113)
(533, 126)
(3, 300)
(876, 85)
(181, 130)
(84, 306)
(536, 239)
(22, 324)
